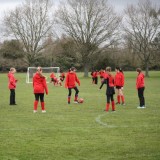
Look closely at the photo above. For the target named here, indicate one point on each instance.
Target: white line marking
(99, 121)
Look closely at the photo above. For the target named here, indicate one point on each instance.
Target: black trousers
(70, 91)
(12, 96)
(109, 97)
(141, 96)
(39, 96)
(96, 80)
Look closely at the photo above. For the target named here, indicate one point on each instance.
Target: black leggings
(109, 97)
(70, 91)
(39, 96)
(96, 80)
(141, 96)
(12, 96)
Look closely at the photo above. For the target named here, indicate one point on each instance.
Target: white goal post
(46, 71)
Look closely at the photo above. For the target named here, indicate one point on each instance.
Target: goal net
(46, 72)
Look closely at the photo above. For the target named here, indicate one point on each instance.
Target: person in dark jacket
(109, 81)
(140, 85)
(39, 86)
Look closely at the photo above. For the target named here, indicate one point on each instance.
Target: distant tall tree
(91, 23)
(12, 49)
(63, 52)
(156, 49)
(30, 23)
(142, 23)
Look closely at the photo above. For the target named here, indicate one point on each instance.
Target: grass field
(80, 131)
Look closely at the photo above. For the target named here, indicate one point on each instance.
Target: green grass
(80, 131)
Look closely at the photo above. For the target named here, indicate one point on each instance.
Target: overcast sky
(118, 5)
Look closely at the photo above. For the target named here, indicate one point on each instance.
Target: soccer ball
(80, 100)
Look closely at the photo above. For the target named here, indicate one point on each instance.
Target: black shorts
(118, 87)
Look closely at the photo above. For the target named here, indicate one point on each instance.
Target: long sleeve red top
(39, 84)
(140, 81)
(119, 79)
(95, 74)
(11, 81)
(52, 75)
(71, 80)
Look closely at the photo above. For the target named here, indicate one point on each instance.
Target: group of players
(112, 82)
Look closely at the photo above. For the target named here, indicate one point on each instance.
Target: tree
(156, 47)
(141, 25)
(12, 54)
(30, 24)
(12, 49)
(91, 24)
(68, 56)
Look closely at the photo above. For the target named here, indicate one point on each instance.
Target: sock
(69, 99)
(113, 106)
(118, 98)
(76, 98)
(35, 105)
(122, 98)
(42, 106)
(107, 106)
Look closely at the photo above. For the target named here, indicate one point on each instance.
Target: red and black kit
(109, 81)
(70, 83)
(12, 86)
(119, 83)
(140, 87)
(119, 80)
(39, 86)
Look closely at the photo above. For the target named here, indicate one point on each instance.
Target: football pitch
(80, 131)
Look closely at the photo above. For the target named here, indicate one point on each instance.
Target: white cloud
(8, 5)
(119, 5)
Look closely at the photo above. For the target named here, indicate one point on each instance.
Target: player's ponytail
(120, 69)
(39, 70)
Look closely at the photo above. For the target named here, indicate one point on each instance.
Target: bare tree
(30, 23)
(141, 26)
(91, 23)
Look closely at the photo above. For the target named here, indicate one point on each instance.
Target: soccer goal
(46, 71)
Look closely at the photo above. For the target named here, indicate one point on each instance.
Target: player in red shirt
(39, 86)
(52, 77)
(140, 85)
(70, 83)
(55, 80)
(109, 81)
(12, 85)
(101, 74)
(119, 83)
(62, 76)
(95, 76)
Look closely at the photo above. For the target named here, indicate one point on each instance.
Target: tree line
(87, 34)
